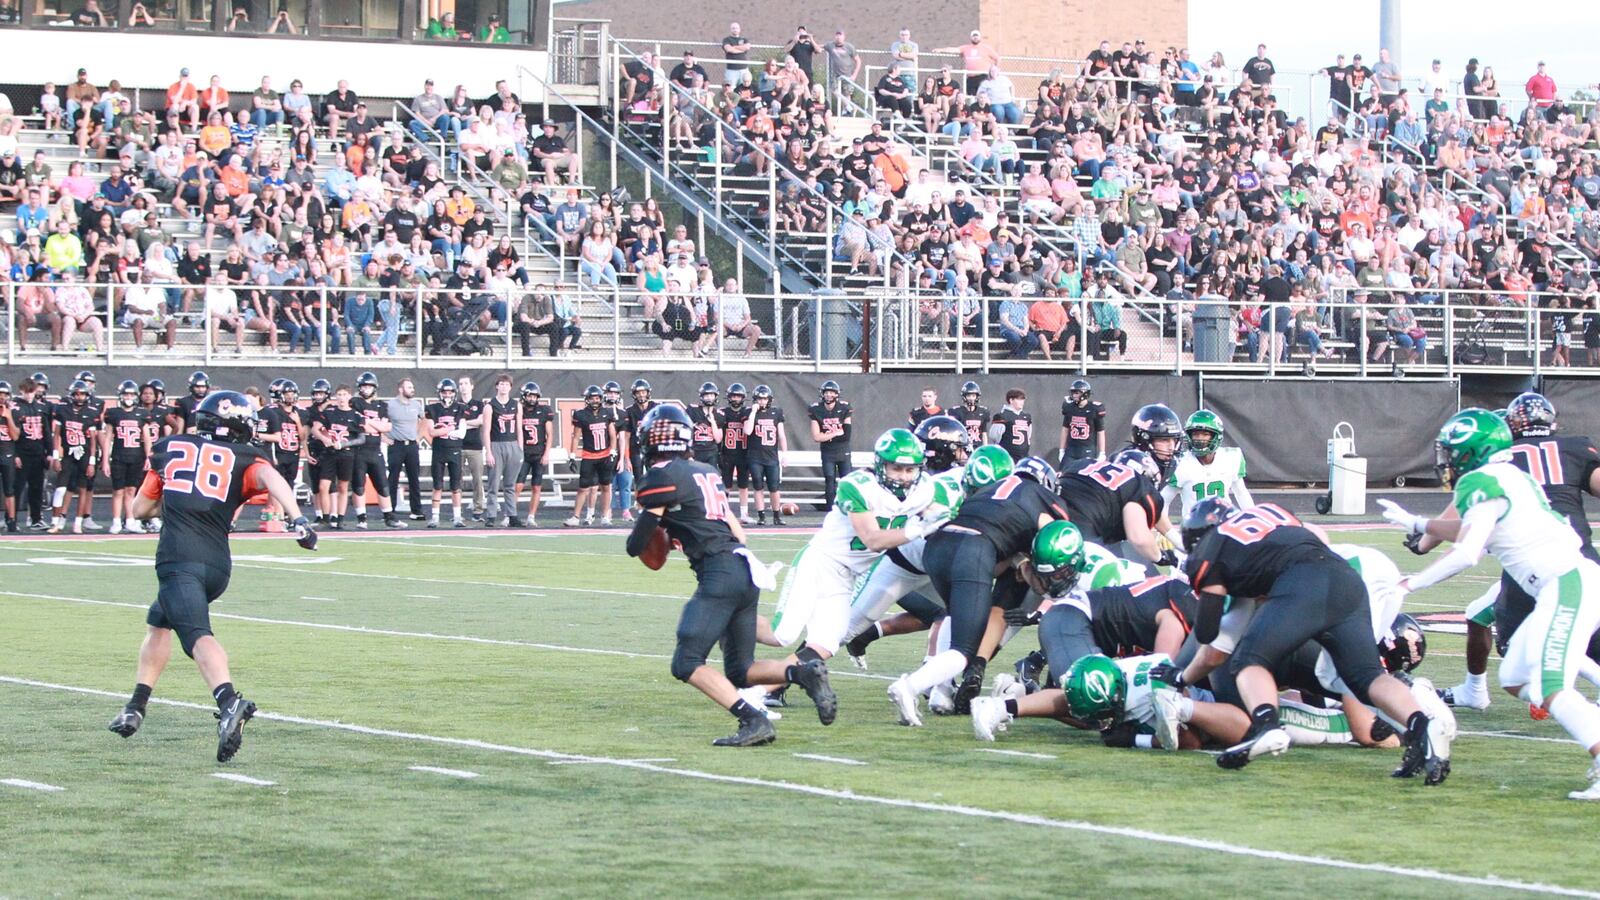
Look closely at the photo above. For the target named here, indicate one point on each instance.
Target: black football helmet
(1531, 414)
(1156, 422)
(1080, 391)
(128, 393)
(1410, 644)
(1140, 462)
(275, 389)
(41, 380)
(970, 393)
(364, 381)
(159, 386)
(445, 386)
(226, 416)
(5, 388)
(710, 387)
(199, 383)
(1037, 469)
(945, 443)
(530, 390)
(321, 388)
(736, 395)
(78, 393)
(288, 392)
(592, 396)
(1202, 518)
(827, 386)
(666, 430)
(87, 377)
(762, 392)
(639, 384)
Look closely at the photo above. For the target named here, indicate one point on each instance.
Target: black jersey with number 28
(696, 506)
(1247, 552)
(202, 483)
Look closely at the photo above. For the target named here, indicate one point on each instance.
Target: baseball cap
(995, 261)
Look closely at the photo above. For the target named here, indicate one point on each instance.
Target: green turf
(347, 816)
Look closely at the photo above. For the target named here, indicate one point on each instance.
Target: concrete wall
(1071, 28)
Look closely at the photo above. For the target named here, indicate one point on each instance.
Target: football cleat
(1537, 713)
(460, 524)
(856, 649)
(126, 722)
(942, 699)
(230, 726)
(1029, 668)
(116, 527)
(989, 717)
(753, 732)
(757, 698)
(761, 517)
(1165, 703)
(433, 523)
(746, 520)
(905, 702)
(605, 522)
(1008, 687)
(90, 524)
(1461, 696)
(1272, 741)
(814, 681)
(572, 522)
(971, 686)
(1427, 751)
(778, 699)
(1592, 792)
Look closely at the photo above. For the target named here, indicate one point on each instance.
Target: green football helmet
(897, 446)
(988, 465)
(1058, 556)
(1096, 689)
(1208, 425)
(1467, 441)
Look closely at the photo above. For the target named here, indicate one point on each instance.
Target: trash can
(1347, 473)
(1212, 342)
(840, 324)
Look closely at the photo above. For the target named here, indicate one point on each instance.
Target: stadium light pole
(1389, 29)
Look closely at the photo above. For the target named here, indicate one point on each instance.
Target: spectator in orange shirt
(215, 97)
(1048, 318)
(183, 97)
(459, 207)
(236, 179)
(215, 138)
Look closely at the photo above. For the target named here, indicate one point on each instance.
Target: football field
(448, 713)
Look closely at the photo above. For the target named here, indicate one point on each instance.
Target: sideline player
(124, 451)
(593, 438)
(285, 430)
(339, 428)
(830, 429)
(369, 453)
(77, 439)
(10, 465)
(628, 437)
(180, 413)
(686, 498)
(973, 415)
(707, 433)
(769, 440)
(444, 422)
(1500, 509)
(33, 416)
(197, 482)
(735, 458)
(1012, 426)
(1083, 424)
(536, 420)
(1206, 468)
(1307, 593)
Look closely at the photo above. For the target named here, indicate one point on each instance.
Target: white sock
(943, 644)
(1578, 716)
(1589, 670)
(1478, 684)
(1185, 709)
(744, 510)
(946, 667)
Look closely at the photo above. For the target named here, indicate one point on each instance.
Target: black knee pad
(927, 611)
(805, 655)
(684, 663)
(189, 635)
(1361, 680)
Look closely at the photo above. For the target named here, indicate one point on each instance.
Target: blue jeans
(622, 489)
(390, 338)
(1312, 340)
(1407, 342)
(261, 118)
(1091, 167)
(1252, 344)
(957, 130)
(447, 125)
(598, 274)
(1019, 344)
(1007, 113)
(300, 336)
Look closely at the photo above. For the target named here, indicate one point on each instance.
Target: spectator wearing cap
(13, 180)
(1541, 89)
(442, 28)
(978, 56)
(493, 32)
(843, 61)
(79, 91)
(680, 74)
(430, 110)
(549, 152)
(183, 97)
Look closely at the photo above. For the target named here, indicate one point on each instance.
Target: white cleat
(116, 527)
(77, 526)
(132, 526)
(747, 519)
(572, 522)
(757, 697)
(905, 702)
(1441, 721)
(989, 717)
(942, 700)
(91, 525)
(1007, 687)
(1461, 696)
(155, 525)
(1165, 703)
(1592, 792)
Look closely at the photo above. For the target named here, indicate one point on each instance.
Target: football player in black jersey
(369, 462)
(34, 420)
(1306, 592)
(734, 456)
(971, 414)
(339, 428)
(592, 440)
(616, 495)
(962, 560)
(768, 441)
(472, 445)
(284, 434)
(124, 450)
(503, 460)
(1119, 501)
(198, 482)
(181, 415)
(1157, 431)
(830, 428)
(1012, 427)
(316, 451)
(686, 498)
(10, 466)
(627, 431)
(1567, 467)
(153, 397)
(444, 425)
(536, 421)
(707, 432)
(77, 443)
(1083, 424)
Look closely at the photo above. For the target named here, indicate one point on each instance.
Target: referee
(404, 412)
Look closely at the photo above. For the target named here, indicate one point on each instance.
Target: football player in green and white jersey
(873, 511)
(1499, 508)
(1207, 469)
(898, 574)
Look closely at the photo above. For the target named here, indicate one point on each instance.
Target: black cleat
(11, 526)
(814, 681)
(856, 647)
(971, 686)
(1029, 668)
(516, 523)
(753, 732)
(761, 518)
(230, 726)
(778, 520)
(1427, 752)
(778, 699)
(127, 722)
(1256, 743)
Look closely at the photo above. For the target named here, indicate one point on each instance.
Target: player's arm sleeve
(151, 488)
(644, 527)
(1208, 620)
(1476, 526)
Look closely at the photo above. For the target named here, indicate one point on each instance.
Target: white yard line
(453, 773)
(31, 785)
(322, 599)
(1013, 753)
(243, 779)
(1517, 737)
(947, 809)
(843, 761)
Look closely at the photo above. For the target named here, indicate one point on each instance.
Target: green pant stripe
(788, 584)
(861, 582)
(1558, 638)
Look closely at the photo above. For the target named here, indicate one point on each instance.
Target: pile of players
(1242, 629)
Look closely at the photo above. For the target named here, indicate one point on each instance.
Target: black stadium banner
(1282, 424)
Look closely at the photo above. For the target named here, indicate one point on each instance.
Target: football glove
(918, 527)
(1171, 557)
(1413, 543)
(1120, 735)
(1022, 616)
(1394, 512)
(304, 534)
(1168, 674)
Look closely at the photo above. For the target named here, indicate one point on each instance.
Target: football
(655, 552)
(789, 509)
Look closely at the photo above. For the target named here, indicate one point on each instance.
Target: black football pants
(961, 566)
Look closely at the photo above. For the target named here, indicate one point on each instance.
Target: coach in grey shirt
(405, 409)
